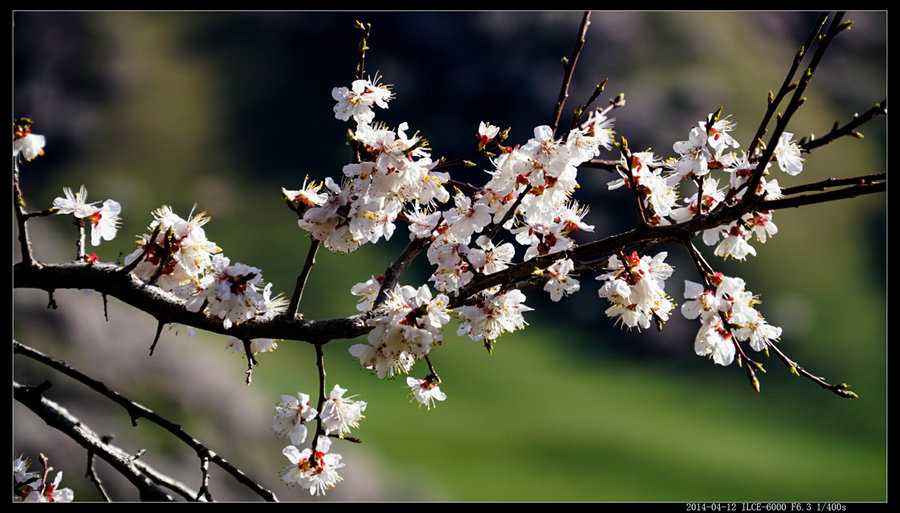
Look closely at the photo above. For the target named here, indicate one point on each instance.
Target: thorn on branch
(159, 328)
(251, 361)
(51, 303)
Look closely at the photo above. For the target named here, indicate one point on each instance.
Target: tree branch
(137, 411)
(58, 418)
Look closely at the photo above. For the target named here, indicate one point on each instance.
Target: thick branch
(168, 308)
(136, 411)
(58, 418)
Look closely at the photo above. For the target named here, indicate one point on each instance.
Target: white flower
(308, 194)
(425, 391)
(26, 144)
(405, 332)
(180, 251)
(757, 331)
(734, 243)
(291, 416)
(21, 474)
(486, 133)
(695, 157)
(75, 204)
(560, 283)
(340, 413)
(104, 222)
(367, 292)
(760, 224)
(715, 342)
(231, 293)
(357, 101)
(636, 289)
(490, 259)
(787, 153)
(719, 138)
(465, 218)
(702, 303)
(318, 472)
(29, 146)
(421, 223)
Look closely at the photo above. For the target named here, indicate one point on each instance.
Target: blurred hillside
(223, 109)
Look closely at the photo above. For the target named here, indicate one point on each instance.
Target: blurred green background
(223, 109)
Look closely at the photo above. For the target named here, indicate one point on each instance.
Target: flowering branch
(787, 86)
(796, 101)
(179, 276)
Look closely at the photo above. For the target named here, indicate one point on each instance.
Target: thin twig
(796, 101)
(842, 389)
(786, 86)
(392, 275)
(320, 402)
(569, 68)
(91, 473)
(294, 304)
(879, 109)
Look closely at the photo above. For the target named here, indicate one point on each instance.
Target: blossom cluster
(635, 287)
(538, 180)
(395, 178)
(498, 312)
(727, 316)
(709, 147)
(315, 468)
(30, 486)
(394, 170)
(404, 328)
(180, 259)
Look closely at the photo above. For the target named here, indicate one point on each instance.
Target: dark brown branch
(61, 420)
(137, 411)
(510, 212)
(91, 473)
(879, 109)
(291, 311)
(793, 105)
(21, 217)
(579, 112)
(392, 275)
(843, 389)
(320, 401)
(168, 308)
(569, 65)
(786, 86)
(834, 182)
